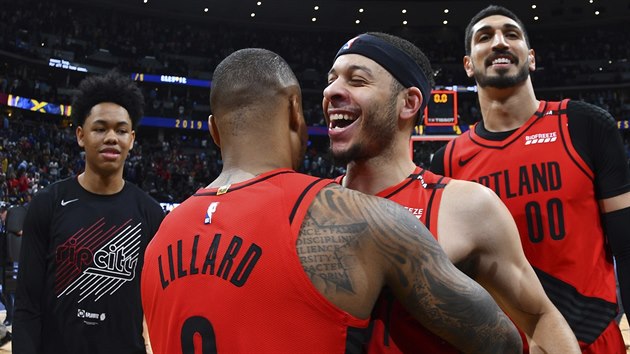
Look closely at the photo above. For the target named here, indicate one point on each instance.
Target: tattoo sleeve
(343, 224)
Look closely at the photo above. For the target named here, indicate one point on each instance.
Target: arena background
(171, 48)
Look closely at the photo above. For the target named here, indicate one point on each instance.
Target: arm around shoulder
(495, 258)
(436, 293)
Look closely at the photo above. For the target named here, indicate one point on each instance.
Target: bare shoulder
(470, 197)
(475, 212)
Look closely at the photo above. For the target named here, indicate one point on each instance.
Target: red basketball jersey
(223, 274)
(394, 330)
(549, 190)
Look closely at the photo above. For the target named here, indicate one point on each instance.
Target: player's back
(224, 268)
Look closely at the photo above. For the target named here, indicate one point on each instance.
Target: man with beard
(376, 91)
(560, 169)
(273, 261)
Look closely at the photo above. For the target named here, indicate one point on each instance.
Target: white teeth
(338, 116)
(335, 117)
(501, 61)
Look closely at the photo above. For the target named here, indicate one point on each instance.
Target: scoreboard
(441, 109)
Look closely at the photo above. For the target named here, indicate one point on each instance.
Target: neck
(232, 175)
(390, 167)
(507, 109)
(243, 161)
(99, 184)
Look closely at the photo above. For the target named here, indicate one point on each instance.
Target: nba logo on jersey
(211, 209)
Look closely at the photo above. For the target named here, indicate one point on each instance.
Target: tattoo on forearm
(451, 302)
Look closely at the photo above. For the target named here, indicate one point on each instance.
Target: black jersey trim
(243, 185)
(510, 137)
(412, 177)
(301, 197)
(587, 316)
(450, 156)
(389, 298)
(435, 186)
(356, 339)
(562, 112)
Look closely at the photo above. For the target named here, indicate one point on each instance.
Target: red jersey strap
(303, 190)
(303, 202)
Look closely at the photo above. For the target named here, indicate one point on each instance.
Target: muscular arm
(376, 242)
(32, 277)
(595, 136)
(492, 255)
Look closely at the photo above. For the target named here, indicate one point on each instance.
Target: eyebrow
(510, 26)
(353, 68)
(104, 122)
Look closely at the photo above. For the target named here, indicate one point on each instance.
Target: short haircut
(487, 12)
(111, 87)
(247, 77)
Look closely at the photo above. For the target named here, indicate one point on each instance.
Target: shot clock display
(441, 109)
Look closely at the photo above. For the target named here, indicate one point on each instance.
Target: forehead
(495, 22)
(108, 112)
(354, 62)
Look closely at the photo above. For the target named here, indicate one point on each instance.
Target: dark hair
(250, 73)
(487, 12)
(111, 87)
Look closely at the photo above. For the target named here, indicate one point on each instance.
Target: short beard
(379, 133)
(502, 81)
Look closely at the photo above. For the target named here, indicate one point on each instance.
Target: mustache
(501, 54)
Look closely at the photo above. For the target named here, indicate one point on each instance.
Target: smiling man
(375, 95)
(560, 168)
(85, 236)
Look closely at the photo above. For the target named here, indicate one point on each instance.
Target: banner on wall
(38, 106)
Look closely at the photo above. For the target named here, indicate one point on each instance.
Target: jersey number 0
(198, 325)
(555, 219)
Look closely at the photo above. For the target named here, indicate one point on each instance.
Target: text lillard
(207, 261)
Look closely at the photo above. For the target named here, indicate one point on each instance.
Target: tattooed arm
(365, 243)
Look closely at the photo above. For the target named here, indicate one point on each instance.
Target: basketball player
(560, 169)
(267, 260)
(376, 90)
(85, 236)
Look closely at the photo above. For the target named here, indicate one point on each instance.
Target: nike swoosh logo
(66, 202)
(462, 161)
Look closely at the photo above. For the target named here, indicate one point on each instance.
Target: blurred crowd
(37, 149)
